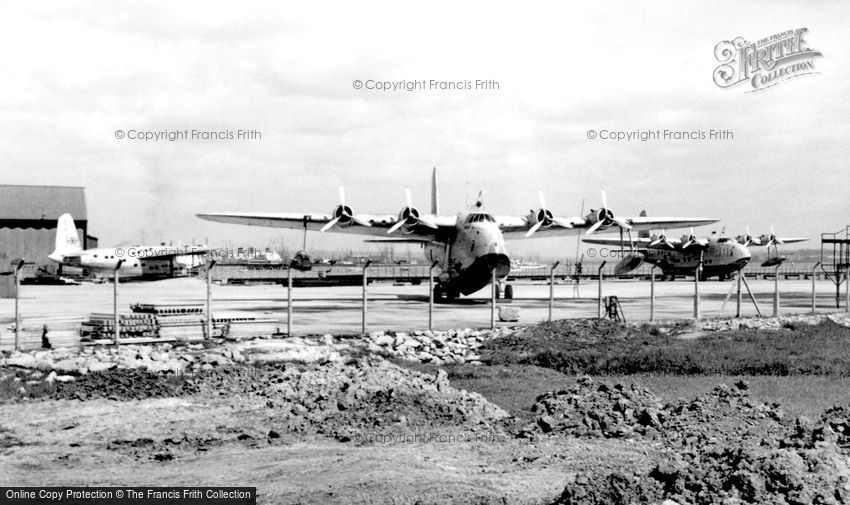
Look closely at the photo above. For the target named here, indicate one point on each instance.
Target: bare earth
(70, 442)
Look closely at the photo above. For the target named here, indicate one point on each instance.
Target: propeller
(409, 217)
(604, 217)
(771, 239)
(343, 215)
(747, 239)
(688, 240)
(544, 217)
(662, 239)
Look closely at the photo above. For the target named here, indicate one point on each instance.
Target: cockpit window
(478, 218)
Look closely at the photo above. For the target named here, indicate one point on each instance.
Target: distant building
(28, 216)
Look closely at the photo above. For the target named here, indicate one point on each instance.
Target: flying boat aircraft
(721, 256)
(468, 247)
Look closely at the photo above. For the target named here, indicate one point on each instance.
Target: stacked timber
(172, 322)
(168, 309)
(102, 326)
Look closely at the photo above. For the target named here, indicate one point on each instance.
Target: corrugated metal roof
(42, 202)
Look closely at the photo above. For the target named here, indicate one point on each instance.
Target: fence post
(552, 288)
(210, 265)
(289, 301)
(652, 293)
(18, 269)
(696, 287)
(493, 301)
(740, 293)
(599, 294)
(776, 290)
(363, 325)
(431, 296)
(116, 321)
(814, 299)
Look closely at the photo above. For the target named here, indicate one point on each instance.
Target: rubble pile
(760, 323)
(346, 400)
(596, 410)
(719, 448)
(153, 358)
(435, 347)
(351, 400)
(131, 384)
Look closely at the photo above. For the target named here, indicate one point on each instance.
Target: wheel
(438, 293)
(509, 292)
(498, 289)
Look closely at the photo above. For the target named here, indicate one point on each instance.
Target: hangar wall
(28, 216)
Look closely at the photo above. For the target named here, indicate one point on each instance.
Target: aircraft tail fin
(435, 200)
(644, 233)
(67, 240)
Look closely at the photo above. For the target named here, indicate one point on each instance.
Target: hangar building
(28, 216)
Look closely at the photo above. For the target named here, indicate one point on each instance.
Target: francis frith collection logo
(766, 63)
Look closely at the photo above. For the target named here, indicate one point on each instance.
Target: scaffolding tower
(835, 258)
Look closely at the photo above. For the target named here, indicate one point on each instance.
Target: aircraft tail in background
(67, 239)
(435, 200)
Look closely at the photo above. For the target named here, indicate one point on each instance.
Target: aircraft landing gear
(509, 292)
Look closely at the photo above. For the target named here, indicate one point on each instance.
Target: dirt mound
(127, 384)
(723, 415)
(369, 399)
(596, 409)
(719, 446)
(365, 399)
(593, 408)
(731, 475)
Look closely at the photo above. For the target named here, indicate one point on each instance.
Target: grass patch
(603, 348)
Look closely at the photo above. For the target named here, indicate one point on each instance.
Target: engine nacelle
(344, 215)
(541, 216)
(603, 215)
(410, 217)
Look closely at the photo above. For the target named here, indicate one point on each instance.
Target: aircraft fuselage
(721, 257)
(105, 260)
(470, 254)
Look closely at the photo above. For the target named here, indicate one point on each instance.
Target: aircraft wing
(517, 226)
(638, 242)
(647, 243)
(779, 240)
(161, 251)
(375, 225)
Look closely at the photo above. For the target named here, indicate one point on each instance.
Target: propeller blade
(395, 227)
(341, 195)
(779, 241)
(604, 199)
(429, 224)
(593, 228)
(622, 223)
(409, 198)
(563, 223)
(541, 199)
(534, 228)
(330, 224)
(360, 221)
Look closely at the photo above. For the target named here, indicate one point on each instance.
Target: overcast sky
(74, 73)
